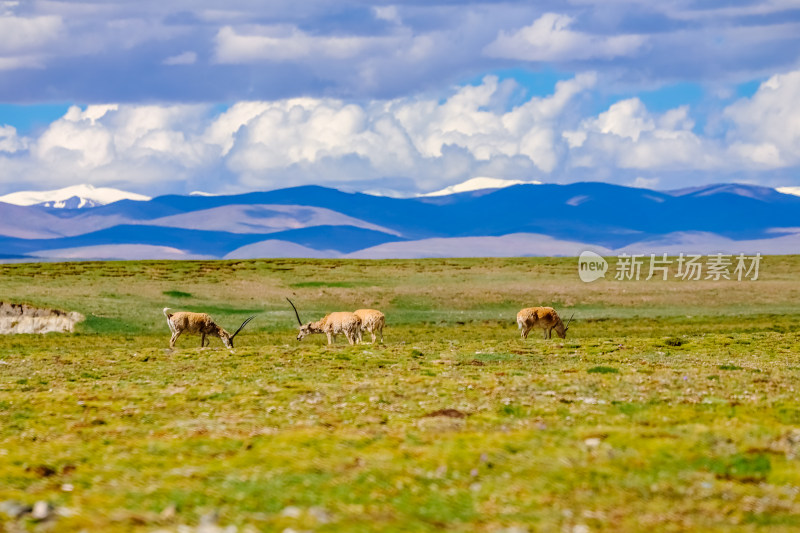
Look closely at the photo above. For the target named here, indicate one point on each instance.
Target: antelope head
(563, 333)
(305, 329)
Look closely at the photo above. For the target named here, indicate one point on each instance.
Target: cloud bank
(132, 51)
(405, 145)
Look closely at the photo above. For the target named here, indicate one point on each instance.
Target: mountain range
(313, 221)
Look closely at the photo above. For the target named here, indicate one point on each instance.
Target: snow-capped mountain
(479, 184)
(789, 190)
(312, 221)
(73, 197)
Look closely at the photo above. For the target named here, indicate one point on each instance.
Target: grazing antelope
(372, 320)
(198, 324)
(331, 325)
(541, 317)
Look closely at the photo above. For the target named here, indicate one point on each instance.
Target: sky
(397, 97)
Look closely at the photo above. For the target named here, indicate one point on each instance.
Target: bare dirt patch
(24, 318)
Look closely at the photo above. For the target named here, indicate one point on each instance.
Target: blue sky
(403, 97)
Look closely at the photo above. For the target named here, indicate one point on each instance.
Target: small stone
(291, 512)
(319, 514)
(42, 510)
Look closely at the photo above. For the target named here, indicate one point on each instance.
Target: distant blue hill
(343, 239)
(610, 216)
(216, 243)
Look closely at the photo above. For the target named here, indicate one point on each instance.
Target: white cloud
(77, 139)
(21, 34)
(627, 118)
(464, 120)
(628, 136)
(388, 13)
(270, 144)
(431, 142)
(283, 43)
(142, 148)
(24, 40)
(764, 7)
(645, 183)
(766, 127)
(9, 140)
(373, 49)
(550, 39)
(762, 154)
(186, 58)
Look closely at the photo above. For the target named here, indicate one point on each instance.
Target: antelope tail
(166, 312)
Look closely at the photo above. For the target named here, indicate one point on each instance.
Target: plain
(670, 406)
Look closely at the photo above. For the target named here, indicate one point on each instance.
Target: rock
(320, 514)
(42, 510)
(23, 318)
(14, 509)
(291, 512)
(592, 442)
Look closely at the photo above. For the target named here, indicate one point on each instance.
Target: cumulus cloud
(629, 136)
(428, 140)
(550, 38)
(10, 142)
(268, 144)
(766, 127)
(147, 148)
(413, 144)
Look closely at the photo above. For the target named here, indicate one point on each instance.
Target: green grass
(668, 407)
(603, 370)
(176, 294)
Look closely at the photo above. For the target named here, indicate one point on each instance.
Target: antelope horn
(568, 321)
(295, 312)
(242, 326)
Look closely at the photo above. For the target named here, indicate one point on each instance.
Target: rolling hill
(313, 221)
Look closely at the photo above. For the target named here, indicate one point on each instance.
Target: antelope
(372, 320)
(542, 317)
(198, 324)
(331, 325)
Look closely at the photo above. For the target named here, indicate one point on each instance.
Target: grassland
(671, 406)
